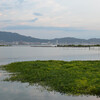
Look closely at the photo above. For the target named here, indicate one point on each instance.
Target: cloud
(10, 5)
(33, 20)
(6, 20)
(18, 27)
(37, 14)
(3, 8)
(21, 1)
(73, 13)
(25, 27)
(1, 14)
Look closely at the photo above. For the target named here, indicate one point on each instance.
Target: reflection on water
(18, 91)
(21, 91)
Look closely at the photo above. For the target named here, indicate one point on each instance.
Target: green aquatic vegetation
(75, 77)
(4, 45)
(97, 45)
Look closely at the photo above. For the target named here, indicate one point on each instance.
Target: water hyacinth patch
(74, 77)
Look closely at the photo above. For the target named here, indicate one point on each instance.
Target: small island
(74, 77)
(97, 45)
(2, 45)
(5, 45)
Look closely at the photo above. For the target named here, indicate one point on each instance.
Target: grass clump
(75, 77)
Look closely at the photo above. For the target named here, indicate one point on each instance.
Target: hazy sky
(51, 18)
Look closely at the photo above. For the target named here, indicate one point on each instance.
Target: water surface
(26, 53)
(22, 91)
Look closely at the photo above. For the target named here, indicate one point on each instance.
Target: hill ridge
(15, 37)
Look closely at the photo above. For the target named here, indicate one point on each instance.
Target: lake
(26, 53)
(22, 91)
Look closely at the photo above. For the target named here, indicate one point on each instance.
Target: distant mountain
(15, 37)
(69, 40)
